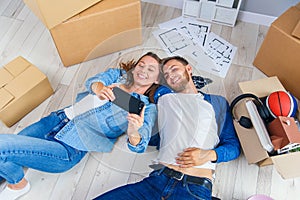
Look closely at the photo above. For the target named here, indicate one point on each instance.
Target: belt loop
(161, 170)
(184, 181)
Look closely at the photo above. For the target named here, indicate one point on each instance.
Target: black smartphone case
(127, 102)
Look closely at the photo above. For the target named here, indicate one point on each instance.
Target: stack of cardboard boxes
(22, 87)
(84, 30)
(279, 58)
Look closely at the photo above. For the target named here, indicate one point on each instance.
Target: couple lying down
(59, 141)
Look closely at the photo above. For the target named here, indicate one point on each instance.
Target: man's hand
(195, 156)
(134, 123)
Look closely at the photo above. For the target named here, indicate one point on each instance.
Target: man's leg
(149, 188)
(158, 186)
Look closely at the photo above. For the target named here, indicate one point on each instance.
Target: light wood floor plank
(86, 179)
(244, 36)
(8, 36)
(23, 13)
(13, 9)
(15, 44)
(3, 5)
(67, 182)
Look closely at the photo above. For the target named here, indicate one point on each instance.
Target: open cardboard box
(279, 53)
(22, 87)
(287, 165)
(54, 12)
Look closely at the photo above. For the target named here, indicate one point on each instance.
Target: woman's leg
(18, 151)
(46, 125)
(34, 147)
(41, 128)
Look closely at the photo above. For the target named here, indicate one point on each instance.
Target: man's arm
(229, 147)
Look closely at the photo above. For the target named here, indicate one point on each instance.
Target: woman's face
(146, 71)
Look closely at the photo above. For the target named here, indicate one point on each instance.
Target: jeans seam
(41, 154)
(189, 191)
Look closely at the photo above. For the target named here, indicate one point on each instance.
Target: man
(190, 176)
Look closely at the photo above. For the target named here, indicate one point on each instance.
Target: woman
(59, 141)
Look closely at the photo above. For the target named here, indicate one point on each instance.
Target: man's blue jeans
(35, 147)
(157, 187)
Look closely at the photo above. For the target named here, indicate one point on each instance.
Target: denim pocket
(198, 192)
(117, 122)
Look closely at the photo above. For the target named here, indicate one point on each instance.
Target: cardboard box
(286, 164)
(279, 52)
(106, 27)
(54, 12)
(22, 87)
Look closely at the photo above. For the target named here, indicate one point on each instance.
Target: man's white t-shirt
(185, 120)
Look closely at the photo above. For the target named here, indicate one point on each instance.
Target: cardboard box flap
(54, 12)
(287, 165)
(296, 31)
(288, 20)
(17, 66)
(254, 152)
(5, 77)
(298, 6)
(25, 81)
(262, 87)
(5, 98)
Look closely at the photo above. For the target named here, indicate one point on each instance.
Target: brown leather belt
(205, 182)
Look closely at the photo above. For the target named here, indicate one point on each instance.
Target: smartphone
(127, 102)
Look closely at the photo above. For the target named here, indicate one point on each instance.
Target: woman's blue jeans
(157, 187)
(35, 147)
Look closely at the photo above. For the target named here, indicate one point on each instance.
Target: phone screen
(127, 102)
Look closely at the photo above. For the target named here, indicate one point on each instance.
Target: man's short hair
(178, 58)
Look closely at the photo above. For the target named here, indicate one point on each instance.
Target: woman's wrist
(134, 138)
(97, 87)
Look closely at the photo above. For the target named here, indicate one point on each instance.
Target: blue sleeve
(160, 91)
(110, 76)
(229, 147)
(145, 131)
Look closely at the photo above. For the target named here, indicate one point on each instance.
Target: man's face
(176, 75)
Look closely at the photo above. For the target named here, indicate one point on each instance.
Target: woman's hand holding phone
(134, 123)
(103, 92)
(106, 93)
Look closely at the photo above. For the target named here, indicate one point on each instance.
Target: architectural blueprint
(192, 39)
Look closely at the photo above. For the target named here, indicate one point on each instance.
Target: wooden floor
(22, 34)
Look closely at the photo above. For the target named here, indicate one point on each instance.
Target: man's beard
(183, 83)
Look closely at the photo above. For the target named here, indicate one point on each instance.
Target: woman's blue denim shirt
(99, 128)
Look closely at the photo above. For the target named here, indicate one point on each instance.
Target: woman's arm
(138, 139)
(110, 76)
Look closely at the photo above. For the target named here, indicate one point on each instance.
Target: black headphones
(261, 108)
